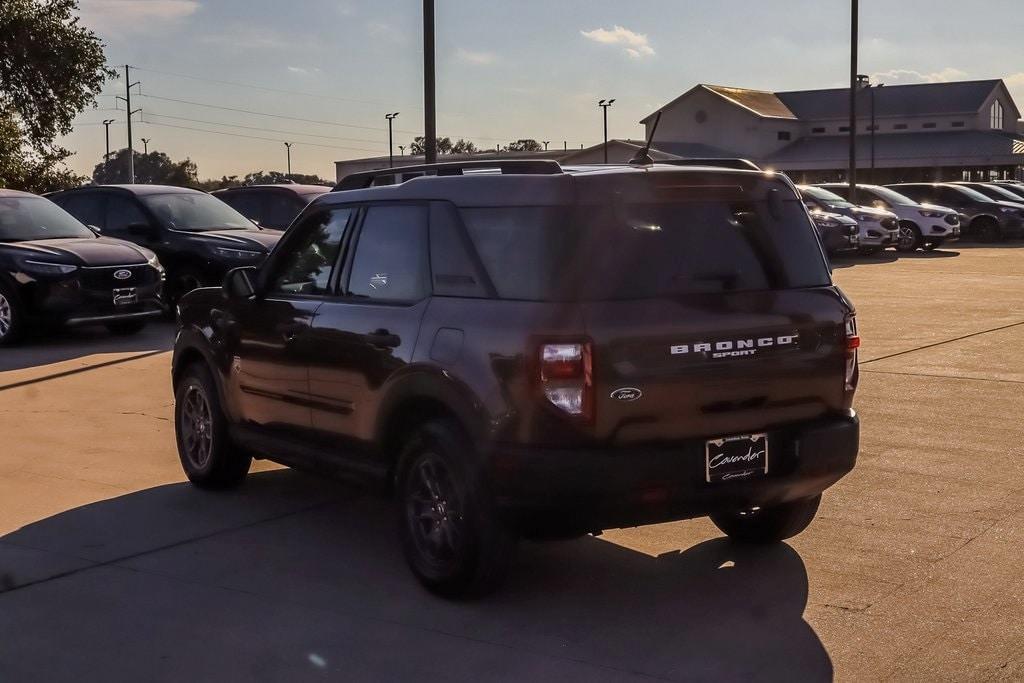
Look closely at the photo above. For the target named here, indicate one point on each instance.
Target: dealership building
(926, 132)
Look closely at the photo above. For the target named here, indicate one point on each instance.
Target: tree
(527, 145)
(51, 69)
(419, 145)
(464, 147)
(261, 178)
(155, 168)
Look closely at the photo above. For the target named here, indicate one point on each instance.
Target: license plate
(735, 458)
(125, 296)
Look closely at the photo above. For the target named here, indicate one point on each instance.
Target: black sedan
(55, 270)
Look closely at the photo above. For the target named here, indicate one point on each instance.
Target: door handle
(383, 338)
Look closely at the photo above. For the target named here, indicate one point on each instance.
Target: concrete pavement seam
(925, 374)
(940, 343)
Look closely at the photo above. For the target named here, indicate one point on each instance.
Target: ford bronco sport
(539, 352)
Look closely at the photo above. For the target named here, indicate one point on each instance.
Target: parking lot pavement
(113, 569)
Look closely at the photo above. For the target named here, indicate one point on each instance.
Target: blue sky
(505, 69)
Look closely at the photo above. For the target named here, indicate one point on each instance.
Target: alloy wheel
(197, 427)
(907, 237)
(6, 316)
(433, 511)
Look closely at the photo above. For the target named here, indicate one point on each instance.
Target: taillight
(852, 343)
(566, 377)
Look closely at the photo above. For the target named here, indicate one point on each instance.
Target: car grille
(104, 278)
(952, 219)
(888, 223)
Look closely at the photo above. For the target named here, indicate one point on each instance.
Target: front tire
(909, 237)
(182, 281)
(208, 457)
(770, 524)
(452, 538)
(12, 321)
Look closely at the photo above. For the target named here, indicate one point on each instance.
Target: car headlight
(246, 254)
(154, 263)
(931, 214)
(865, 217)
(827, 223)
(1008, 209)
(44, 268)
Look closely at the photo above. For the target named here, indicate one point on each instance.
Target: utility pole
(288, 146)
(391, 150)
(545, 143)
(145, 145)
(106, 157)
(854, 17)
(604, 109)
(127, 99)
(429, 91)
(565, 145)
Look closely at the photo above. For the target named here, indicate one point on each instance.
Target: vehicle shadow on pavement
(891, 257)
(292, 577)
(47, 346)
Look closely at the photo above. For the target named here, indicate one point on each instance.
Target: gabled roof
(962, 97)
(758, 102)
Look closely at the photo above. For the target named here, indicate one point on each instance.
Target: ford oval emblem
(122, 274)
(626, 394)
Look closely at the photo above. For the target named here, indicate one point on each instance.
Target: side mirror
(94, 229)
(238, 284)
(144, 230)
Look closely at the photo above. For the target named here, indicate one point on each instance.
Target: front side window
(309, 259)
(391, 262)
(122, 212)
(35, 218)
(87, 207)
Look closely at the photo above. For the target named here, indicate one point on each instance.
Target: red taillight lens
(566, 377)
(852, 344)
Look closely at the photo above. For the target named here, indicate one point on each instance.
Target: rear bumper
(591, 489)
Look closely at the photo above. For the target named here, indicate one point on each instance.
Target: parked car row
(911, 216)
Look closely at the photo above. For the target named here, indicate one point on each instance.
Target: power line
(255, 137)
(265, 130)
(269, 89)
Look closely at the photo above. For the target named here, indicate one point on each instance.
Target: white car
(879, 228)
(925, 226)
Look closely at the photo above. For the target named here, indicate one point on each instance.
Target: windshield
(973, 194)
(892, 197)
(660, 249)
(195, 212)
(821, 195)
(999, 193)
(35, 218)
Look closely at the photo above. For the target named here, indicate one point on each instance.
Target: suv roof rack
(744, 164)
(364, 179)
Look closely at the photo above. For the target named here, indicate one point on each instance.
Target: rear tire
(208, 457)
(12, 317)
(451, 535)
(909, 237)
(126, 328)
(870, 251)
(986, 230)
(770, 524)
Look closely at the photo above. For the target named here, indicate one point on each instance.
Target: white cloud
(302, 71)
(385, 31)
(471, 57)
(899, 76)
(134, 16)
(246, 38)
(634, 44)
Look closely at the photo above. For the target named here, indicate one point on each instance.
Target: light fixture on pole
(106, 130)
(401, 148)
(545, 143)
(391, 151)
(288, 146)
(604, 104)
(145, 145)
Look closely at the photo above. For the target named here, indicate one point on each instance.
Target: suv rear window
(646, 250)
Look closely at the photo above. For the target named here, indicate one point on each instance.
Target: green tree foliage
(261, 178)
(155, 168)
(527, 145)
(51, 69)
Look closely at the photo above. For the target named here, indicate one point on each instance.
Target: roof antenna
(642, 157)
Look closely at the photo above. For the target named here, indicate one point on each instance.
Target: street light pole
(106, 157)
(545, 142)
(391, 151)
(288, 146)
(145, 145)
(401, 148)
(854, 16)
(429, 91)
(604, 109)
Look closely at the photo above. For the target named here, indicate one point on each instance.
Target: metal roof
(920, 99)
(761, 102)
(904, 149)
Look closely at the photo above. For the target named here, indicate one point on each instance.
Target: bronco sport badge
(736, 347)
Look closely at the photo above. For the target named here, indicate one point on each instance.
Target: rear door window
(86, 207)
(391, 262)
(122, 212)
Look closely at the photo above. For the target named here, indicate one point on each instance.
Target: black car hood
(80, 251)
(257, 240)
